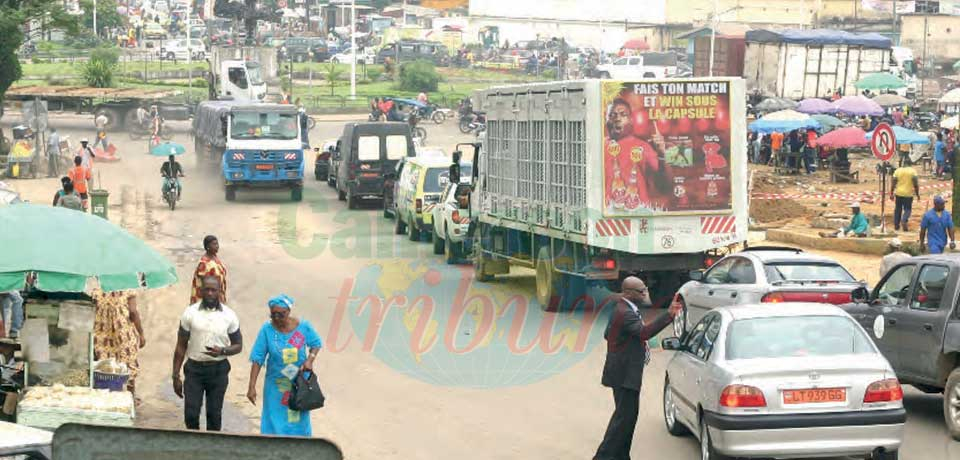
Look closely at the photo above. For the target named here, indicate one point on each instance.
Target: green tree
(15, 13)
(419, 76)
(334, 72)
(98, 71)
(107, 16)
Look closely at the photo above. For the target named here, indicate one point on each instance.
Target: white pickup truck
(451, 219)
(647, 65)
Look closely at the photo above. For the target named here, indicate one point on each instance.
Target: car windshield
(806, 271)
(256, 125)
(793, 336)
(253, 73)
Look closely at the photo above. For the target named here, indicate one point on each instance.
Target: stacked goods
(50, 407)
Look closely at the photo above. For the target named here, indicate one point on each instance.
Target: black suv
(414, 50)
(301, 49)
(914, 319)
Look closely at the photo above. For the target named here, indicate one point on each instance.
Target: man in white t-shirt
(209, 332)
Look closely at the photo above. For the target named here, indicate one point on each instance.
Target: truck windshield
(253, 71)
(255, 125)
(909, 67)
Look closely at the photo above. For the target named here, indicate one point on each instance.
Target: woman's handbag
(306, 394)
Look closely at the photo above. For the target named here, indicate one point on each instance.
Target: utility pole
(926, 16)
(189, 47)
(96, 33)
(353, 49)
(713, 32)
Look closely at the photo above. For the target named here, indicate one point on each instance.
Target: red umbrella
(844, 138)
(638, 44)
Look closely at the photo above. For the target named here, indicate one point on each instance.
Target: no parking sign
(884, 142)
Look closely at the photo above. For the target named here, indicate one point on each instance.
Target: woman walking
(117, 330)
(288, 346)
(210, 265)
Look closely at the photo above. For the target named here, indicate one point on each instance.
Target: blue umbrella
(167, 149)
(906, 136)
(782, 126)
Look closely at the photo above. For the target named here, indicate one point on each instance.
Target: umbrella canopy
(815, 105)
(844, 138)
(890, 100)
(951, 122)
(828, 122)
(637, 44)
(100, 250)
(772, 104)
(906, 136)
(952, 97)
(858, 105)
(764, 125)
(880, 81)
(786, 115)
(167, 149)
(956, 66)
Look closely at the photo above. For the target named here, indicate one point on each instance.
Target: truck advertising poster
(666, 147)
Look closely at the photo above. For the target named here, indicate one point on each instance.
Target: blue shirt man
(936, 225)
(938, 152)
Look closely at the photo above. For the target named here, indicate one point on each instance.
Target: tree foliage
(98, 71)
(419, 76)
(107, 15)
(334, 72)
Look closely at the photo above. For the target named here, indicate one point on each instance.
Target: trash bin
(98, 202)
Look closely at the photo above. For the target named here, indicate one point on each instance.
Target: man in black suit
(627, 353)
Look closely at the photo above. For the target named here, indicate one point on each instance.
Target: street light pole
(95, 33)
(189, 47)
(713, 32)
(353, 49)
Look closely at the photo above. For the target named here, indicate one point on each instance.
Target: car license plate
(815, 395)
(369, 175)
(264, 167)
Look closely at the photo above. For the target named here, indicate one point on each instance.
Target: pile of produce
(63, 397)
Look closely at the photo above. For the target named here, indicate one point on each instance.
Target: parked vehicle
(119, 105)
(819, 61)
(255, 145)
(366, 152)
(321, 165)
(178, 50)
(154, 31)
(748, 378)
(413, 50)
(473, 122)
(240, 80)
(767, 275)
(364, 55)
(628, 68)
(531, 185)
(300, 49)
(451, 221)
(913, 316)
(416, 192)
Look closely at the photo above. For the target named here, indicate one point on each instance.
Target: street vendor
(101, 123)
(86, 154)
(858, 225)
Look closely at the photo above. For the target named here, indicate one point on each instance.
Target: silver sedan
(805, 381)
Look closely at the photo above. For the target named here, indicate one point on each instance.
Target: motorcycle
(170, 194)
(142, 130)
(475, 121)
(440, 114)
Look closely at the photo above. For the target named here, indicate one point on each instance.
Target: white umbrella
(952, 97)
(951, 122)
(786, 115)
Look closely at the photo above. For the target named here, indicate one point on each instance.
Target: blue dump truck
(254, 145)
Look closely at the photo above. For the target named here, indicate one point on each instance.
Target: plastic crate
(50, 418)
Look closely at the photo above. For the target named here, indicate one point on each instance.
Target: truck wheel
(451, 252)
(342, 196)
(951, 404)
(547, 278)
(317, 176)
(296, 194)
(331, 180)
(399, 228)
(437, 244)
(386, 210)
(231, 193)
(480, 269)
(413, 232)
(351, 201)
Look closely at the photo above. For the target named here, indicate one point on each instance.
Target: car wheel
(951, 404)
(413, 232)
(171, 57)
(316, 175)
(335, 61)
(605, 75)
(201, 56)
(451, 251)
(707, 452)
(386, 210)
(399, 228)
(342, 196)
(437, 243)
(674, 426)
(680, 322)
(331, 180)
(351, 201)
(885, 455)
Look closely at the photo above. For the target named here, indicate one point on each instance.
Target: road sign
(884, 142)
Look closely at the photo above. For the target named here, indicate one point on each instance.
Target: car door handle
(891, 321)
(733, 295)
(709, 292)
(928, 327)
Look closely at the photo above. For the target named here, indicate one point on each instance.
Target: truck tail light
(604, 264)
(419, 205)
(888, 390)
(455, 217)
(709, 262)
(742, 396)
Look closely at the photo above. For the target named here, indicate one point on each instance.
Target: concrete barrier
(871, 246)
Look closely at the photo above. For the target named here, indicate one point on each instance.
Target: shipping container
(727, 56)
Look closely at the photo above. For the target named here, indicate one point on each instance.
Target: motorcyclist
(171, 169)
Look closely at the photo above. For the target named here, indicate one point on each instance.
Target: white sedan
(178, 49)
(799, 381)
(366, 56)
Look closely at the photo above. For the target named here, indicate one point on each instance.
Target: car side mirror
(696, 275)
(860, 295)
(671, 344)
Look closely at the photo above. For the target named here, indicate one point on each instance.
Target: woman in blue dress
(288, 346)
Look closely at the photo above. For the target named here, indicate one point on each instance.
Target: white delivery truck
(800, 64)
(590, 181)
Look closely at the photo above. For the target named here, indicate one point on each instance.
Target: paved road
(466, 383)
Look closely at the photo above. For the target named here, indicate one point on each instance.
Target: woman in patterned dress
(210, 265)
(117, 331)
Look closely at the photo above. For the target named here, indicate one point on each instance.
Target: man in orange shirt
(80, 175)
(776, 143)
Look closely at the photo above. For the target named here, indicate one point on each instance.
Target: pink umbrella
(857, 105)
(815, 105)
(844, 138)
(638, 44)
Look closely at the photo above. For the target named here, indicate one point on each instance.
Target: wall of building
(943, 36)
(609, 37)
(651, 12)
(444, 4)
(850, 10)
(767, 12)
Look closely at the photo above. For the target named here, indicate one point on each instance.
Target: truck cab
(903, 65)
(241, 81)
(629, 67)
(263, 149)
(913, 318)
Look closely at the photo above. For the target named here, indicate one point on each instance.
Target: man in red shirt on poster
(643, 160)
